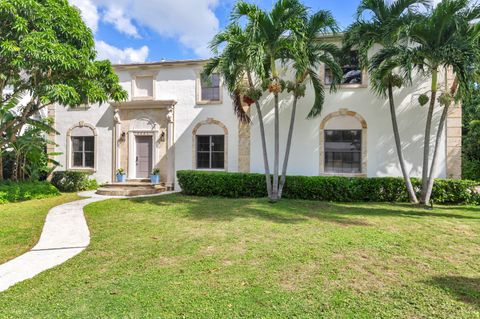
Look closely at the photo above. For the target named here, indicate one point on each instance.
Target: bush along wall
(68, 181)
(324, 188)
(15, 192)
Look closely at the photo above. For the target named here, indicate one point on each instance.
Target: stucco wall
(101, 117)
(382, 157)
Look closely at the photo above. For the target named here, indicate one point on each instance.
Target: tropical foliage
(442, 39)
(253, 56)
(48, 56)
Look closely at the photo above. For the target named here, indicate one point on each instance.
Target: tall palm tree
(385, 26)
(305, 60)
(241, 63)
(274, 32)
(250, 61)
(446, 37)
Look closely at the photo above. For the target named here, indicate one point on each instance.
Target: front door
(143, 159)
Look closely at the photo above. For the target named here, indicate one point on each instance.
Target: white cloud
(116, 16)
(192, 22)
(89, 13)
(116, 55)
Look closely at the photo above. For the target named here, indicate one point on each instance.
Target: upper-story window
(210, 88)
(352, 72)
(143, 87)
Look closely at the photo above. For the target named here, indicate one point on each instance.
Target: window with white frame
(82, 148)
(210, 88)
(210, 151)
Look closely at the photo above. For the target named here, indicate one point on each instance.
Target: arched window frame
(69, 152)
(209, 121)
(364, 151)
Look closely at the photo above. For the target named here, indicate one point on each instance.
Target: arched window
(81, 147)
(343, 142)
(210, 145)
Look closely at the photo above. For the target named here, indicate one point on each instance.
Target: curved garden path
(65, 234)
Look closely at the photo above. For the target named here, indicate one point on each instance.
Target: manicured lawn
(188, 257)
(21, 224)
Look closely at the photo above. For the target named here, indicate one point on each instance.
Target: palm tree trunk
(426, 143)
(264, 150)
(396, 133)
(1, 166)
(274, 197)
(15, 169)
(266, 165)
(438, 140)
(289, 144)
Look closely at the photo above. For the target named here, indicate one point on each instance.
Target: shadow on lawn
(464, 289)
(289, 211)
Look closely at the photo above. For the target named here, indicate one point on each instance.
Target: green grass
(21, 224)
(189, 257)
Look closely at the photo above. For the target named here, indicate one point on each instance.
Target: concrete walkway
(65, 235)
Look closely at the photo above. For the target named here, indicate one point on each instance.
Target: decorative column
(454, 134)
(171, 147)
(244, 145)
(117, 131)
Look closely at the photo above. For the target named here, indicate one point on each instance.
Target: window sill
(211, 169)
(82, 169)
(344, 174)
(209, 102)
(349, 86)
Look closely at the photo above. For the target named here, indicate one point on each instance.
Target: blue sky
(151, 30)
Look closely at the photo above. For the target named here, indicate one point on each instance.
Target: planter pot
(121, 178)
(155, 179)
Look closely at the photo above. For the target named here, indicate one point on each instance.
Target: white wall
(382, 157)
(99, 116)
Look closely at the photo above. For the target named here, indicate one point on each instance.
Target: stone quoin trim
(209, 121)
(363, 123)
(82, 124)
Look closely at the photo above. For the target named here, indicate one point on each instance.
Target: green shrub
(323, 188)
(68, 181)
(14, 192)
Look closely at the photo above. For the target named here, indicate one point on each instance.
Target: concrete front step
(131, 189)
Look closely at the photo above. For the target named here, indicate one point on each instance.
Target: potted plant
(155, 176)
(121, 176)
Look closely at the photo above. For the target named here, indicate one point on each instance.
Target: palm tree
(249, 63)
(385, 26)
(447, 37)
(305, 60)
(241, 64)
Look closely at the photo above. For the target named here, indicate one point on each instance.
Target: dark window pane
(352, 73)
(203, 160)
(210, 88)
(78, 159)
(218, 160)
(203, 143)
(218, 143)
(343, 151)
(77, 144)
(89, 159)
(89, 143)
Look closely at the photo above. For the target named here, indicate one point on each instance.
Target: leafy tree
(47, 53)
(385, 25)
(250, 61)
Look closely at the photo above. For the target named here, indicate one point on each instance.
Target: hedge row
(15, 192)
(335, 189)
(68, 181)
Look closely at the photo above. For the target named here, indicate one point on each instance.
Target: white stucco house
(173, 121)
